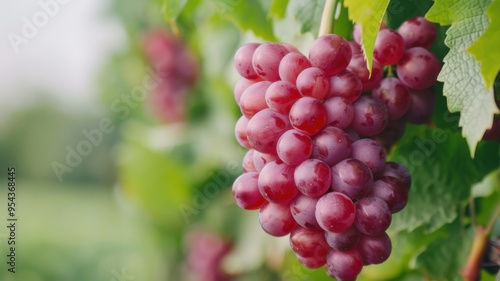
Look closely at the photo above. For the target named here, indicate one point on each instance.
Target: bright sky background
(63, 59)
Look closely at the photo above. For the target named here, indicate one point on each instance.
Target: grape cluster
(409, 96)
(205, 251)
(175, 72)
(315, 166)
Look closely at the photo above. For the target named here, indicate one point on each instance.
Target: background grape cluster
(176, 71)
(316, 127)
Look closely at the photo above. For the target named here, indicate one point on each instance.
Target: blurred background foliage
(127, 210)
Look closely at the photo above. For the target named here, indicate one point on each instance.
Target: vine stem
(326, 25)
(471, 270)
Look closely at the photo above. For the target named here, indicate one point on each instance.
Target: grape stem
(326, 26)
(471, 270)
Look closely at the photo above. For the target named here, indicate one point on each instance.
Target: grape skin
(418, 69)
(276, 219)
(276, 182)
(246, 191)
(418, 32)
(266, 60)
(344, 265)
(294, 147)
(370, 116)
(335, 212)
(375, 249)
(373, 216)
(313, 177)
(243, 60)
(303, 210)
(331, 53)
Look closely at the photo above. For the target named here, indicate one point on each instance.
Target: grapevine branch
(471, 270)
(326, 26)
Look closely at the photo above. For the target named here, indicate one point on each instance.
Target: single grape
(246, 192)
(398, 171)
(344, 265)
(339, 112)
(370, 116)
(276, 219)
(261, 159)
(313, 177)
(241, 86)
(389, 47)
(375, 249)
(294, 147)
(370, 153)
(308, 115)
(343, 241)
(331, 145)
(243, 60)
(264, 130)
(253, 99)
(276, 182)
(422, 106)
(281, 95)
(247, 163)
(266, 60)
(373, 216)
(240, 132)
(312, 262)
(313, 82)
(346, 84)
(418, 32)
(395, 96)
(331, 53)
(358, 67)
(303, 210)
(335, 212)
(308, 242)
(392, 191)
(292, 65)
(418, 69)
(352, 178)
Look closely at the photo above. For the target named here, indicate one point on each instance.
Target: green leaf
(247, 15)
(172, 8)
(308, 13)
(156, 182)
(399, 11)
(278, 9)
(342, 25)
(442, 175)
(368, 13)
(464, 86)
(485, 49)
(443, 258)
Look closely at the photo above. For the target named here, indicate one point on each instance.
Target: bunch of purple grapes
(313, 168)
(205, 251)
(175, 71)
(409, 96)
